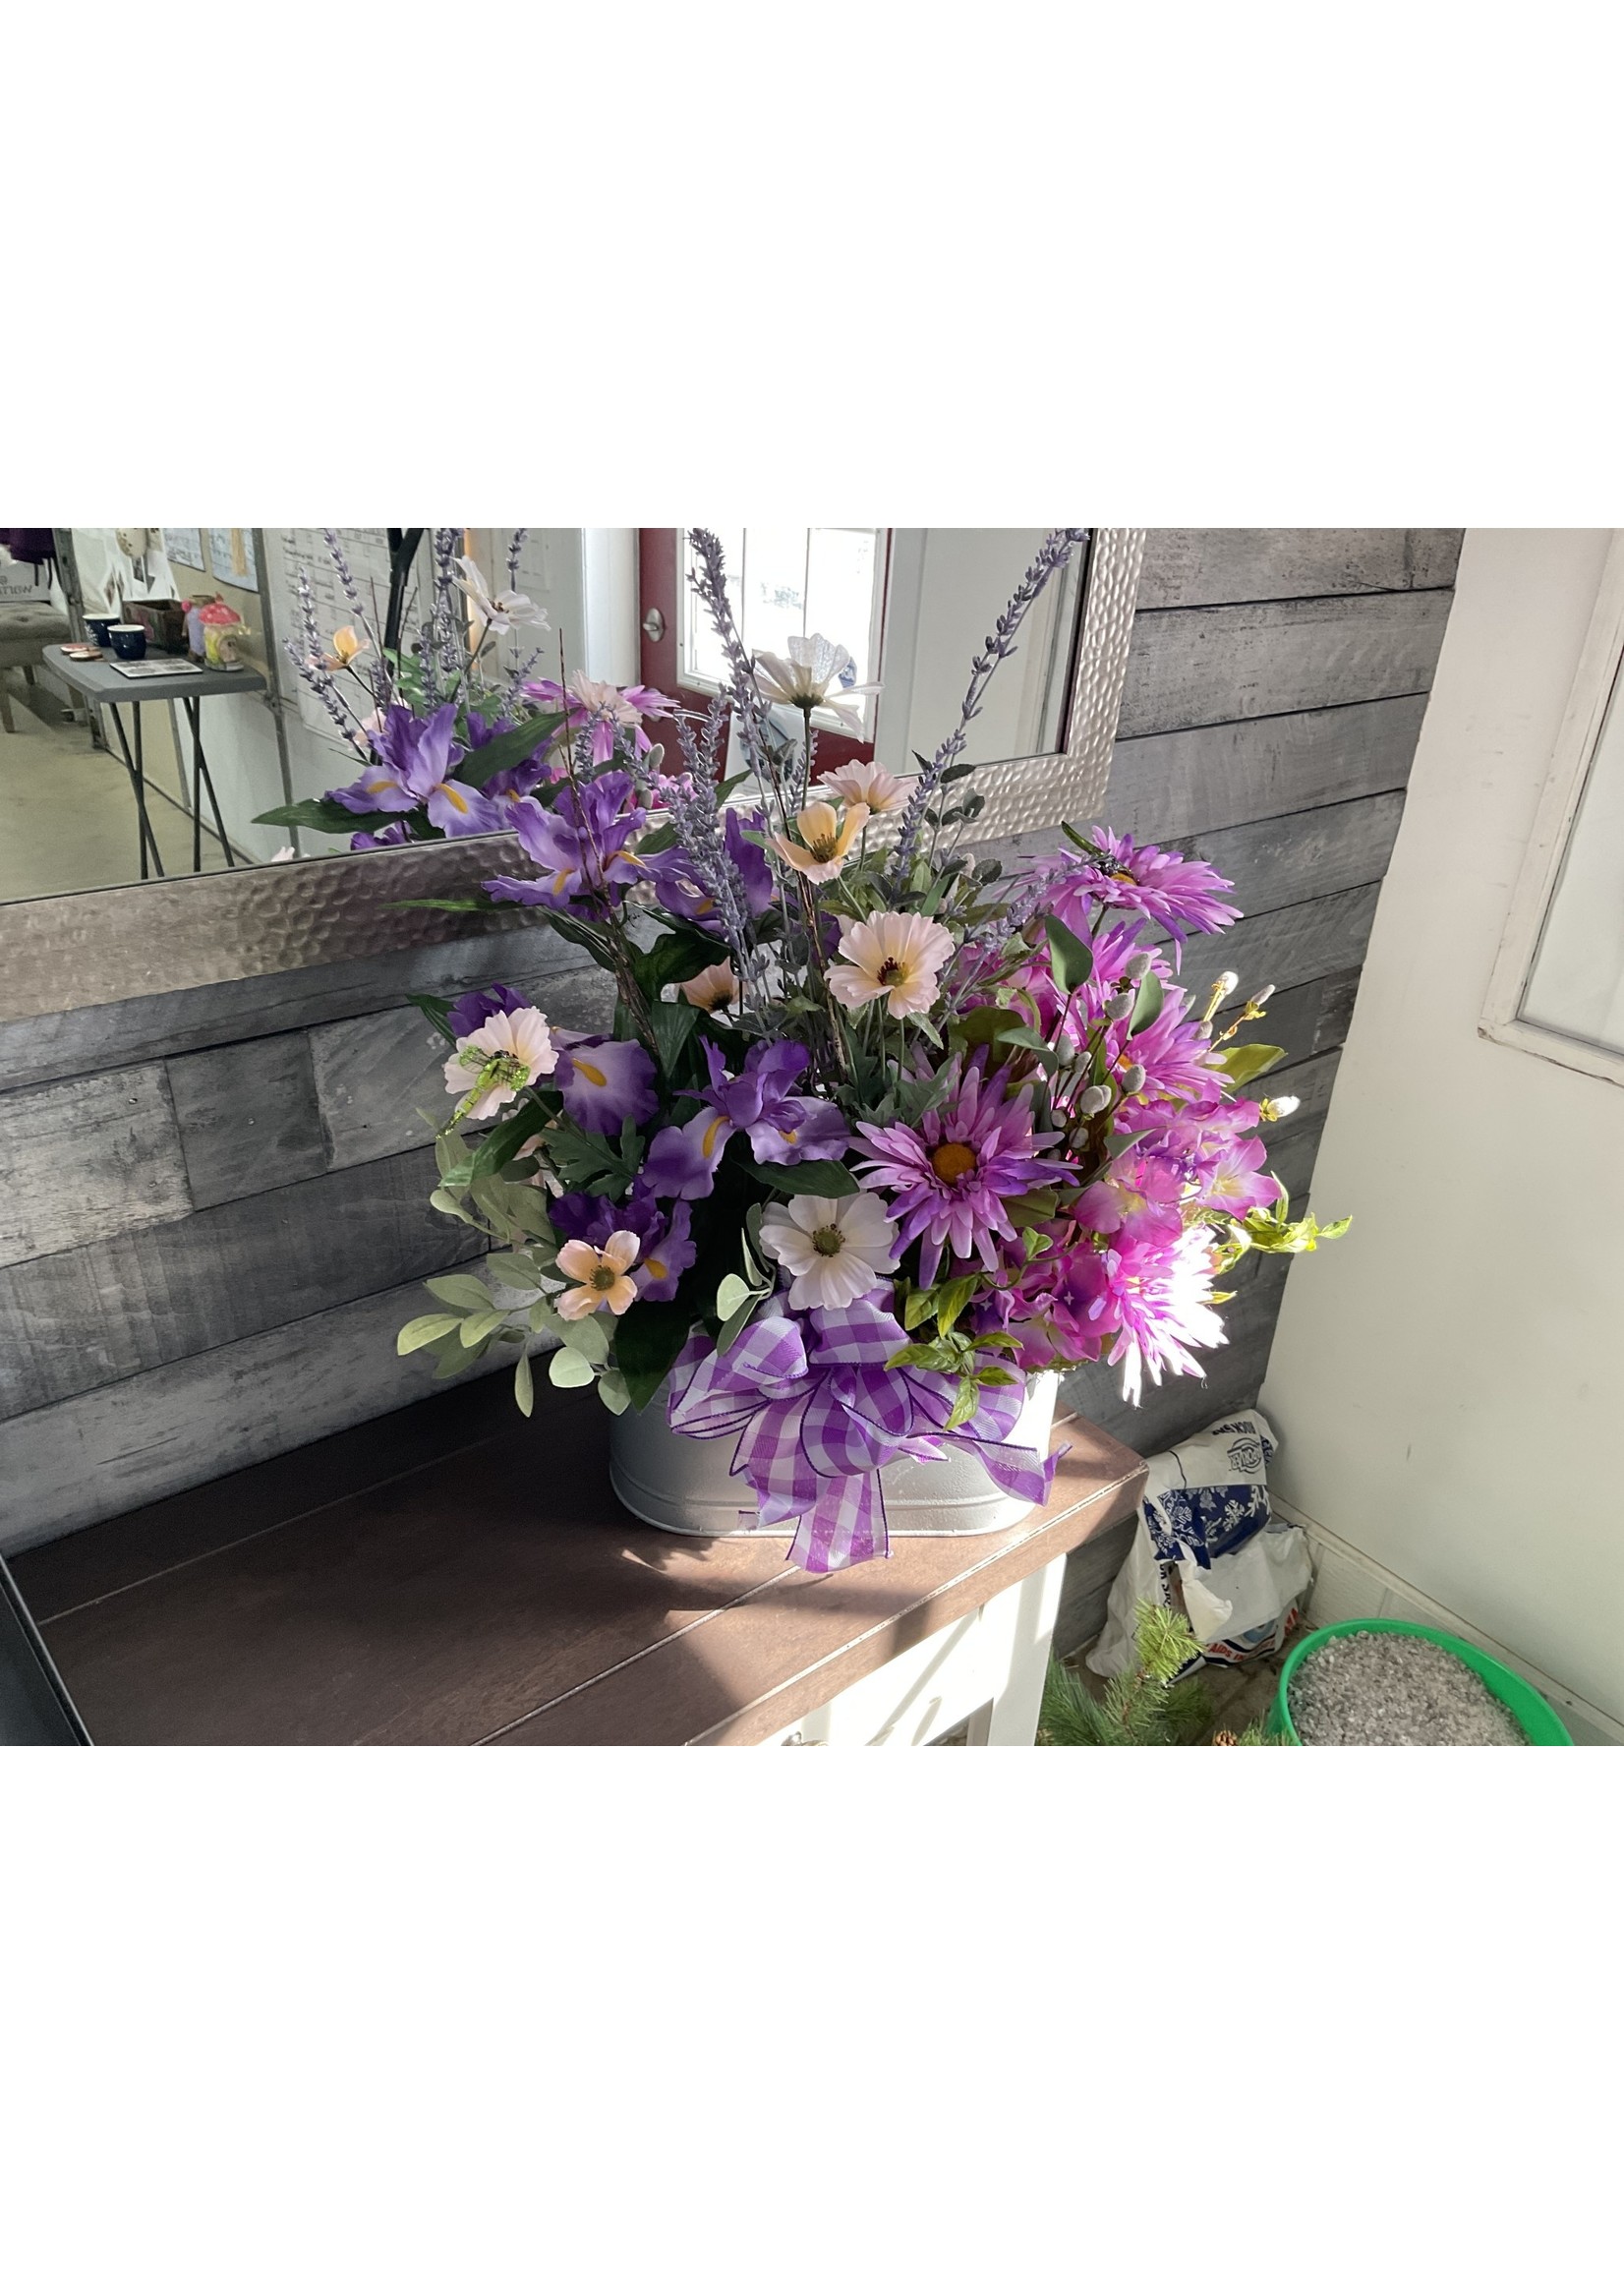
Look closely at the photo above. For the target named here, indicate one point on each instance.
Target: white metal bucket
(684, 1483)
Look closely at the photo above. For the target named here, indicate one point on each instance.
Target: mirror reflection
(174, 701)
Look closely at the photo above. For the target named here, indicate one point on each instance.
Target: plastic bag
(1206, 1542)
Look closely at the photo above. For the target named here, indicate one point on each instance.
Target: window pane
(1577, 984)
(786, 583)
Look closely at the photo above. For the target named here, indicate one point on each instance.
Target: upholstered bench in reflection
(27, 629)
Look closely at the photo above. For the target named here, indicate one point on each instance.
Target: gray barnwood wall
(216, 1210)
(1275, 690)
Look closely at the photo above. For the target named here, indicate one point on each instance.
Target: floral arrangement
(880, 1134)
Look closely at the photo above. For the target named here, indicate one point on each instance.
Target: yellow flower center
(820, 848)
(953, 1161)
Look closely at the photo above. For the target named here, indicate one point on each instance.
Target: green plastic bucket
(1540, 1723)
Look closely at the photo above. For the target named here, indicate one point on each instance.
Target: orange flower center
(953, 1161)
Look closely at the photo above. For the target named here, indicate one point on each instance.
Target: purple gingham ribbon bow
(820, 1416)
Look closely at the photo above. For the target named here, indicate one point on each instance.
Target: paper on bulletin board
(184, 545)
(307, 555)
(231, 557)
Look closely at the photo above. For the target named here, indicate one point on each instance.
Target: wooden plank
(70, 1323)
(1197, 567)
(148, 1026)
(1191, 666)
(1166, 786)
(1300, 856)
(1288, 945)
(247, 1116)
(1310, 1082)
(83, 1160)
(72, 1464)
(1304, 1021)
(375, 1076)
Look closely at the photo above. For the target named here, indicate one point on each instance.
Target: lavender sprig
(513, 551)
(1056, 548)
(709, 579)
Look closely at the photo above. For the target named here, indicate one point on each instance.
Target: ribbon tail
(845, 1524)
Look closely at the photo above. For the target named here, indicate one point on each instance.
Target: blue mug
(99, 628)
(129, 642)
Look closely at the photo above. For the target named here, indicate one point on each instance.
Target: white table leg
(1020, 1624)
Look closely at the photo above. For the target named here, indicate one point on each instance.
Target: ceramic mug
(98, 627)
(129, 642)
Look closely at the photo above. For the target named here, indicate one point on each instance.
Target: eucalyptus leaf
(457, 1359)
(524, 1385)
(612, 1388)
(1070, 959)
(1147, 1005)
(568, 1370)
(461, 1291)
(730, 1294)
(480, 1328)
(433, 1326)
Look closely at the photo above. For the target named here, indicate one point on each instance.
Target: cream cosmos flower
(897, 957)
(603, 1273)
(712, 989)
(498, 611)
(809, 679)
(825, 837)
(498, 1060)
(867, 785)
(835, 1250)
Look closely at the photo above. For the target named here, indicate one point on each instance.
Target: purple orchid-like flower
(762, 1104)
(417, 757)
(599, 707)
(663, 1248)
(685, 893)
(1140, 1201)
(951, 1175)
(469, 1012)
(603, 1083)
(580, 845)
(1237, 1179)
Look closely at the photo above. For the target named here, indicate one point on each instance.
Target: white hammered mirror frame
(71, 948)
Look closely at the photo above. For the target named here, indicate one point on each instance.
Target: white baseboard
(1349, 1584)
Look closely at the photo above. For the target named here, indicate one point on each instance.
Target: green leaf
(526, 1208)
(673, 1024)
(568, 1370)
(951, 1299)
(457, 1359)
(829, 1180)
(1249, 1062)
(730, 1294)
(524, 1385)
(314, 813)
(964, 1404)
(501, 1146)
(543, 1320)
(506, 749)
(585, 1335)
(919, 1305)
(437, 1009)
(461, 1291)
(645, 1345)
(737, 1319)
(447, 1205)
(980, 1025)
(520, 1272)
(433, 1326)
(1147, 1004)
(1070, 959)
(612, 1388)
(464, 905)
(480, 1328)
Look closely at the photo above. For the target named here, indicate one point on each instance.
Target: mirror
(165, 758)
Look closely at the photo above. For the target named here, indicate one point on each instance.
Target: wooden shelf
(453, 1575)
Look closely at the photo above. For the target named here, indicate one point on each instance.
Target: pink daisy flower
(1182, 894)
(951, 1175)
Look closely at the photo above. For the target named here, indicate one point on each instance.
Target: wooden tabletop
(452, 1575)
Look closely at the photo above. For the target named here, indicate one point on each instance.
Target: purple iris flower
(373, 840)
(762, 1104)
(680, 888)
(664, 1247)
(414, 769)
(603, 1083)
(469, 1012)
(579, 844)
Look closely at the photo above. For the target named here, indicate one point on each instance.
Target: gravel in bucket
(1394, 1689)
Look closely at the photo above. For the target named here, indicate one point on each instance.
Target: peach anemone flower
(347, 644)
(826, 837)
(899, 957)
(866, 785)
(603, 1273)
(712, 989)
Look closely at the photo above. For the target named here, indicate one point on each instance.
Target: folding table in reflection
(103, 683)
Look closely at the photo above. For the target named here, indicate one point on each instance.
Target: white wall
(1446, 1381)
